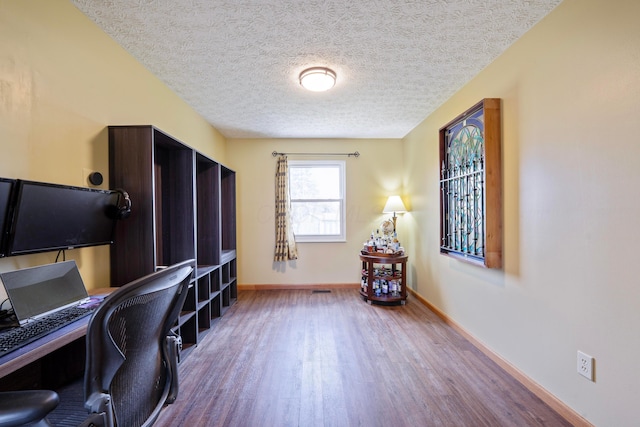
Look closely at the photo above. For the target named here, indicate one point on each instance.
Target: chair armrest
(100, 410)
(174, 346)
(96, 420)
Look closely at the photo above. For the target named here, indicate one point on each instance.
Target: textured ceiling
(237, 62)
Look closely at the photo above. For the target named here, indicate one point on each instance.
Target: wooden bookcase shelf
(183, 207)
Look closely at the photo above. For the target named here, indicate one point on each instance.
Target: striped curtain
(285, 240)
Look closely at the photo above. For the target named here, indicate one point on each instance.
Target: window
(317, 190)
(471, 186)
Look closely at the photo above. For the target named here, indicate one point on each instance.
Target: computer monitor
(6, 192)
(50, 217)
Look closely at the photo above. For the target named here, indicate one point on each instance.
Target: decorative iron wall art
(471, 185)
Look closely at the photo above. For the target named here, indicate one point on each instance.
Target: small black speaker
(95, 178)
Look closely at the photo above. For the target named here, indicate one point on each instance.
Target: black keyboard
(15, 338)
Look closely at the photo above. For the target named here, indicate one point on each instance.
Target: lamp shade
(394, 205)
(317, 79)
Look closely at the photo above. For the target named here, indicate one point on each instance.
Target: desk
(40, 348)
(32, 352)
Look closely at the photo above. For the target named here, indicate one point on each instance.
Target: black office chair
(131, 362)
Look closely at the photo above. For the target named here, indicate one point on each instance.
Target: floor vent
(321, 291)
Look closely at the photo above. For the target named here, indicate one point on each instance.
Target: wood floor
(298, 358)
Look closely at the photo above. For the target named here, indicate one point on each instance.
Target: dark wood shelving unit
(183, 207)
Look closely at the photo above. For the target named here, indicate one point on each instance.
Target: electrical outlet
(585, 365)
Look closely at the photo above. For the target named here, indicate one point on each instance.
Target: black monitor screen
(6, 185)
(50, 217)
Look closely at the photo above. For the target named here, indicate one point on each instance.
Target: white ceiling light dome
(317, 79)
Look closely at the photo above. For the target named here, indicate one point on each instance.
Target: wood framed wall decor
(471, 185)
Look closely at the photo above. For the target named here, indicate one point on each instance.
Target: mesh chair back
(126, 345)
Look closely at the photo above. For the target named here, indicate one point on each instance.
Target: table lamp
(394, 205)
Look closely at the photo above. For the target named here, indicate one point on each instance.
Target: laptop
(36, 292)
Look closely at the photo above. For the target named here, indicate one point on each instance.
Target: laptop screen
(39, 290)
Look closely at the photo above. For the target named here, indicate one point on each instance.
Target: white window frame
(341, 164)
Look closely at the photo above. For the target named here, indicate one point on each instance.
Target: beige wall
(571, 156)
(371, 178)
(62, 81)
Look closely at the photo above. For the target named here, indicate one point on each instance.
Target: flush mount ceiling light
(317, 79)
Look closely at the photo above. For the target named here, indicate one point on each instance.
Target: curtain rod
(354, 154)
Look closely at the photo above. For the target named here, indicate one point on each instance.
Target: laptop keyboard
(18, 337)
